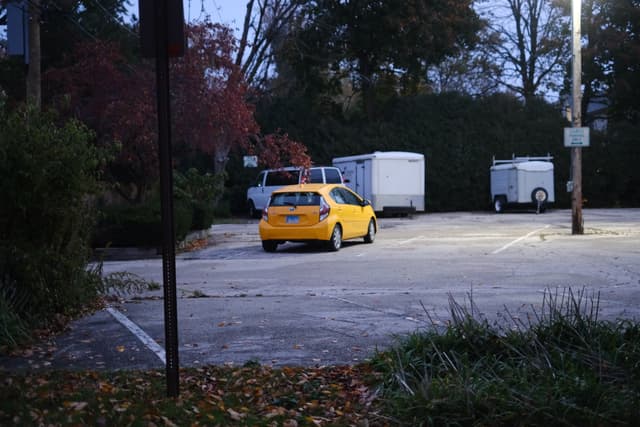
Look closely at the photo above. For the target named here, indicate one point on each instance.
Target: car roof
(306, 187)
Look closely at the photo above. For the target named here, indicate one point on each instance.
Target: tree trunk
(33, 74)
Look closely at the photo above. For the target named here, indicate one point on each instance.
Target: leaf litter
(253, 395)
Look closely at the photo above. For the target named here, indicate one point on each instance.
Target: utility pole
(34, 92)
(577, 225)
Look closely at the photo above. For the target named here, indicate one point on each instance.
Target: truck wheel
(499, 204)
(335, 242)
(269, 245)
(371, 232)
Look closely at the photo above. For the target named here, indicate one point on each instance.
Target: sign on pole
(576, 137)
(250, 161)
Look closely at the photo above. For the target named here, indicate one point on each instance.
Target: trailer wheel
(539, 195)
(499, 204)
(539, 198)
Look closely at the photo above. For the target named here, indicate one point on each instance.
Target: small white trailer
(522, 181)
(394, 181)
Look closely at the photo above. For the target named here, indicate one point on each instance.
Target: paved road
(304, 306)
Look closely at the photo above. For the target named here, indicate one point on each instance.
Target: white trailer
(522, 181)
(393, 181)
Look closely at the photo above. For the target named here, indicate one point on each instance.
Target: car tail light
(265, 214)
(324, 209)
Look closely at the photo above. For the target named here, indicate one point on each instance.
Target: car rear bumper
(320, 231)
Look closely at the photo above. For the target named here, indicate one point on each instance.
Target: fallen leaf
(236, 416)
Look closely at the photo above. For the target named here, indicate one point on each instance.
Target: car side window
(332, 176)
(349, 197)
(259, 180)
(315, 176)
(337, 196)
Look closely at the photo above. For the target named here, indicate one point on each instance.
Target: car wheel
(335, 242)
(498, 204)
(269, 245)
(371, 232)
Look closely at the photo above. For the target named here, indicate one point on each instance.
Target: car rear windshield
(297, 198)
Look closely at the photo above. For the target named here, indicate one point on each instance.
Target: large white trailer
(394, 181)
(522, 181)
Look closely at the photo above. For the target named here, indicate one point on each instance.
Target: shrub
(140, 225)
(47, 172)
(202, 192)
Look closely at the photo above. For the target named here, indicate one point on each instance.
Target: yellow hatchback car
(328, 213)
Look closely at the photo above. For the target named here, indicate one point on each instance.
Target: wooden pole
(577, 225)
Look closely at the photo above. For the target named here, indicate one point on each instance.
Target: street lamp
(576, 152)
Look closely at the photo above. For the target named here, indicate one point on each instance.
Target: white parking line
(508, 245)
(139, 333)
(413, 239)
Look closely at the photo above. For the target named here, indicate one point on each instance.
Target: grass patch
(563, 367)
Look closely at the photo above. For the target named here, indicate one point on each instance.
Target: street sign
(250, 161)
(576, 137)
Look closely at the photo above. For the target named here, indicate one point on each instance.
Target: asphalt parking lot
(304, 306)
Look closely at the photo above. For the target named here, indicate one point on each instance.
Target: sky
(229, 12)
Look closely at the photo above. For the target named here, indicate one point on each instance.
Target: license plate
(293, 219)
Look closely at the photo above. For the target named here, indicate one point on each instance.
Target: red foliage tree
(210, 113)
(209, 107)
(113, 98)
(277, 149)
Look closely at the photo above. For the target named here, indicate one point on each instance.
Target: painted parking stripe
(508, 245)
(139, 333)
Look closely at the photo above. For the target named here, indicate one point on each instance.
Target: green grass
(563, 367)
(560, 367)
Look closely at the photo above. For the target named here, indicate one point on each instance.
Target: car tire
(499, 204)
(269, 245)
(335, 242)
(371, 232)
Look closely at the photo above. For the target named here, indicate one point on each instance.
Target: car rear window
(298, 198)
(282, 178)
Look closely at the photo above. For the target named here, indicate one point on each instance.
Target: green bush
(195, 199)
(48, 170)
(140, 225)
(202, 192)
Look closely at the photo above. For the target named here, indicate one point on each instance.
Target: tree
(115, 99)
(530, 44)
(611, 58)
(375, 42)
(209, 95)
(266, 24)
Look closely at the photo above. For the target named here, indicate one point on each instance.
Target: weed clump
(562, 366)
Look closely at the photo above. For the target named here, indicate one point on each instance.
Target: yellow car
(328, 213)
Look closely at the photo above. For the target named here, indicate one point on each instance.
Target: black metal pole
(166, 200)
